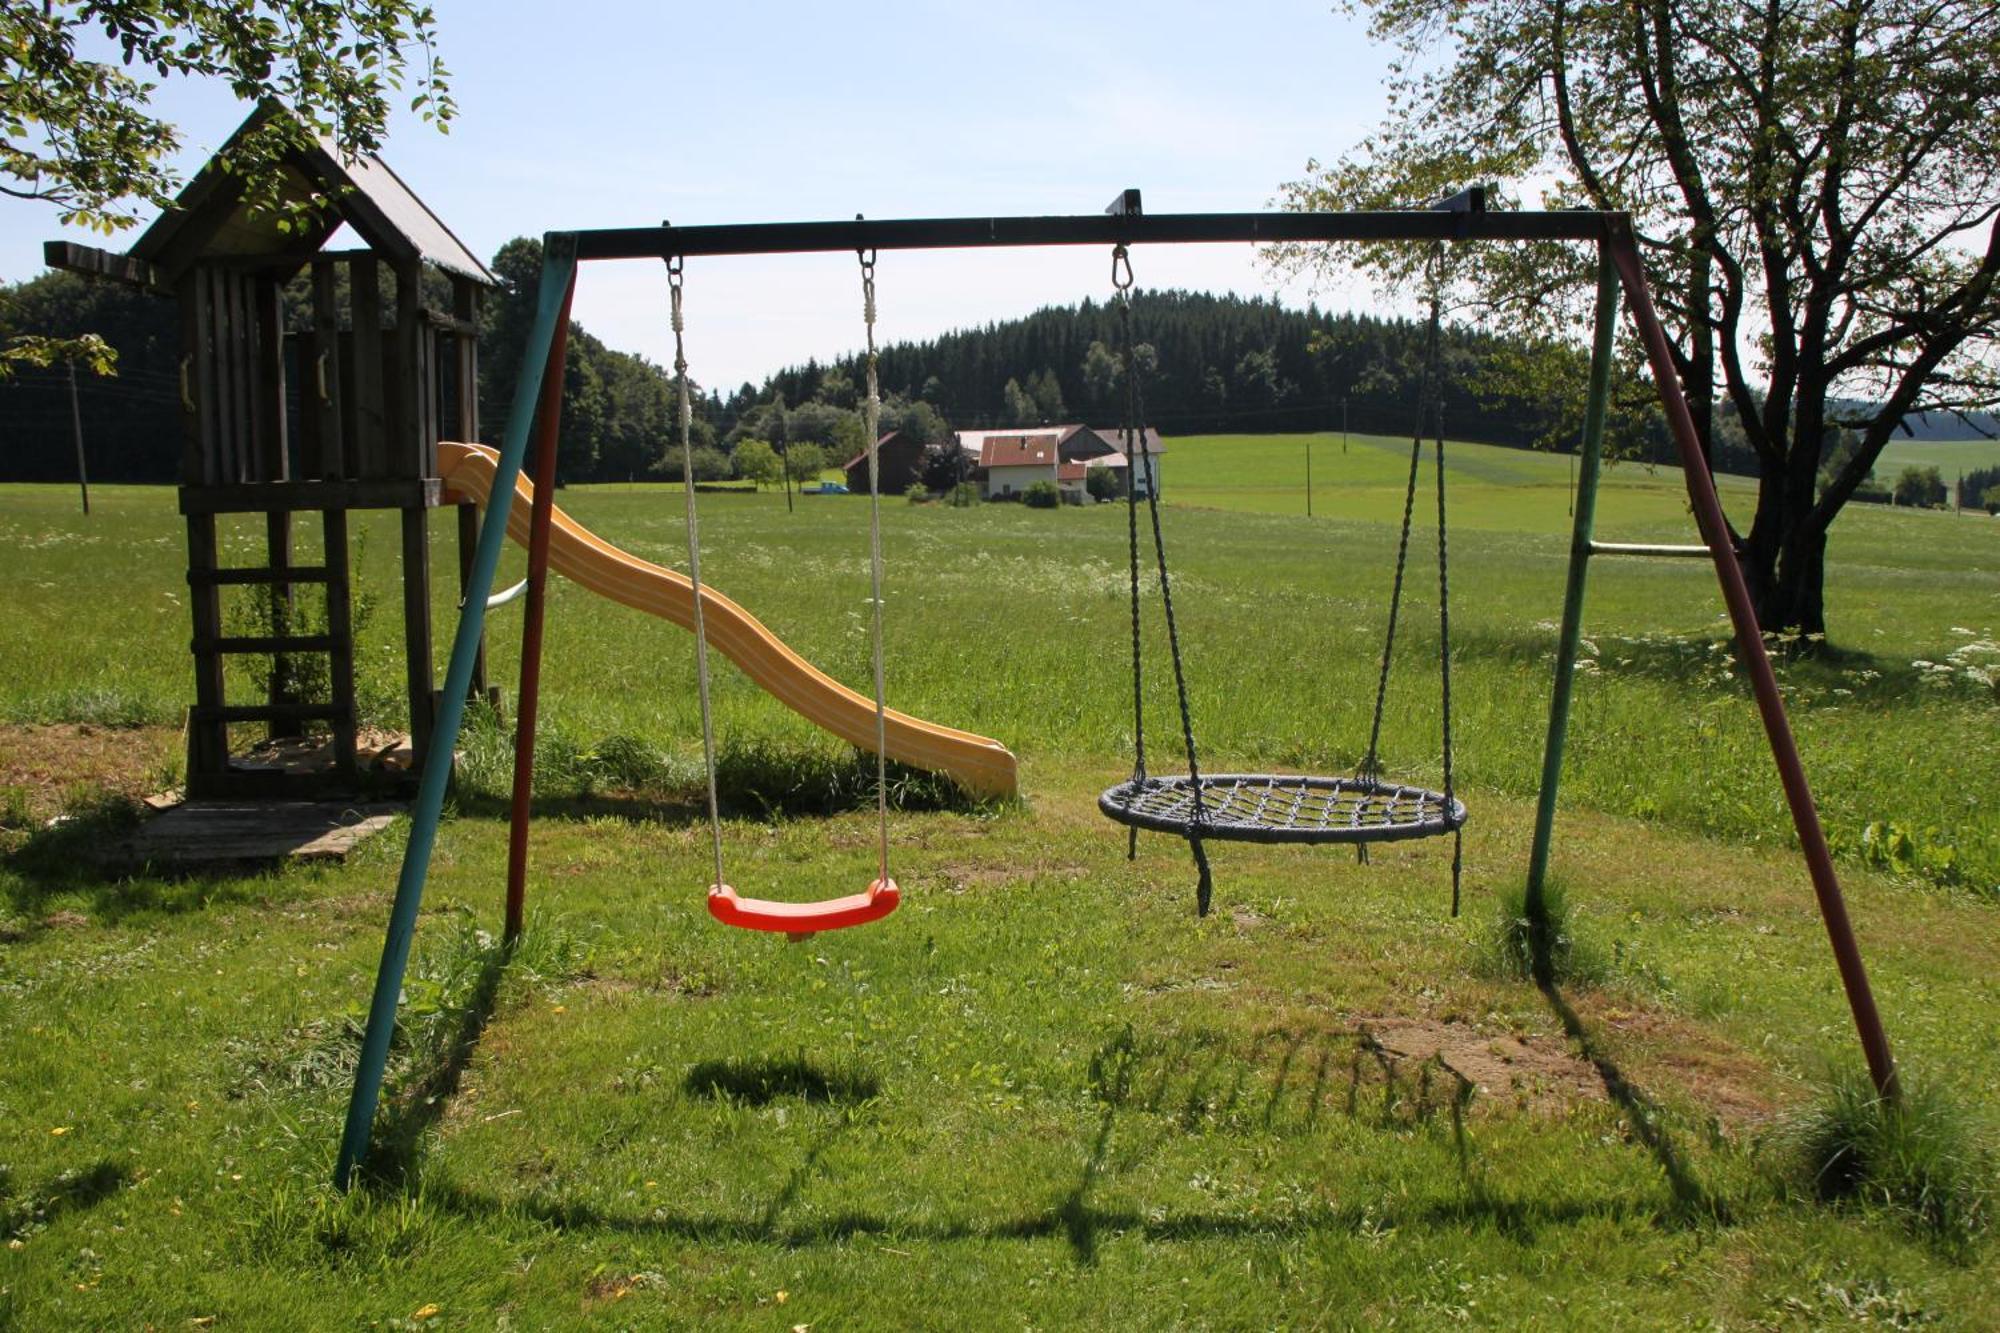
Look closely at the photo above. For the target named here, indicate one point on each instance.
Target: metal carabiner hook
(1121, 268)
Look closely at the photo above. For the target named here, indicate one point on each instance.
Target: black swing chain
(1430, 402)
(1444, 579)
(1121, 282)
(1371, 764)
(1134, 430)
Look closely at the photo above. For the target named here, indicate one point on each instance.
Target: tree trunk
(1784, 561)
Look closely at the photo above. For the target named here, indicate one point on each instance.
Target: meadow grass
(1044, 1092)
(1014, 622)
(1949, 457)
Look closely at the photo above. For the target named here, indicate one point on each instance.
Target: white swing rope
(694, 567)
(873, 411)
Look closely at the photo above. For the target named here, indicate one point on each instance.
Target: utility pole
(1343, 424)
(76, 421)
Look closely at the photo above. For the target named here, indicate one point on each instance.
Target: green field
(1949, 457)
(1044, 1092)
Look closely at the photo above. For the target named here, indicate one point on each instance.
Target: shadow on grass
(762, 1081)
(65, 861)
(1691, 1199)
(69, 1192)
(1126, 1074)
(397, 1146)
(1074, 1219)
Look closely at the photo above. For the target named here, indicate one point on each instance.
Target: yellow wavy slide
(980, 764)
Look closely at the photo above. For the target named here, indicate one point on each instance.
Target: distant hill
(1217, 363)
(1945, 426)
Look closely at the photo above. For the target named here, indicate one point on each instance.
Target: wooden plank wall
(233, 373)
(325, 458)
(370, 412)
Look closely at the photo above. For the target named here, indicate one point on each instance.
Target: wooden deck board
(222, 832)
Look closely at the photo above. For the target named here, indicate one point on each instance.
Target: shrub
(1041, 495)
(710, 464)
(918, 493)
(1101, 482)
(1922, 487)
(962, 496)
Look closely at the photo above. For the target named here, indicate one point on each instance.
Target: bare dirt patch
(48, 768)
(957, 877)
(1671, 1053)
(1531, 1073)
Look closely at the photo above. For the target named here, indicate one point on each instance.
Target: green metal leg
(558, 272)
(1579, 564)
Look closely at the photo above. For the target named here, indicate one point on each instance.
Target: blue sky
(619, 114)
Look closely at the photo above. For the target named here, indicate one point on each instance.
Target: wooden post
(191, 294)
(321, 390)
(83, 475)
(417, 627)
(278, 549)
(208, 735)
(1309, 474)
(468, 543)
(465, 306)
(369, 408)
(412, 447)
(224, 364)
(267, 327)
(340, 628)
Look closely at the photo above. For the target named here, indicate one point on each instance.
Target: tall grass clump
(1916, 1157)
(1539, 946)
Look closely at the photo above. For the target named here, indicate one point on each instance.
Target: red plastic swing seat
(799, 920)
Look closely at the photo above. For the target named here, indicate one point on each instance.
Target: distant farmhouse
(1004, 463)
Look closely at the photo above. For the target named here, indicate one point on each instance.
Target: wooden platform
(250, 833)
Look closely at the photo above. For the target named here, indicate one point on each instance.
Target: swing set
(1358, 808)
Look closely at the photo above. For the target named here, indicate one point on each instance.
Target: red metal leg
(548, 420)
(1763, 681)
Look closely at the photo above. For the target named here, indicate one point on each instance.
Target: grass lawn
(1043, 1093)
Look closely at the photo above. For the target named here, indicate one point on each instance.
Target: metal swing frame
(537, 403)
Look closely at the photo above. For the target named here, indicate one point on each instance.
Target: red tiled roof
(1071, 471)
(1038, 450)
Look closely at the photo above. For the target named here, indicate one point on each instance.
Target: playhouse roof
(210, 220)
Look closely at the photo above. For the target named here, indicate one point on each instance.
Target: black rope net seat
(1281, 808)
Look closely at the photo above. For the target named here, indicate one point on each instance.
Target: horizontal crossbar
(1646, 548)
(666, 242)
(271, 497)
